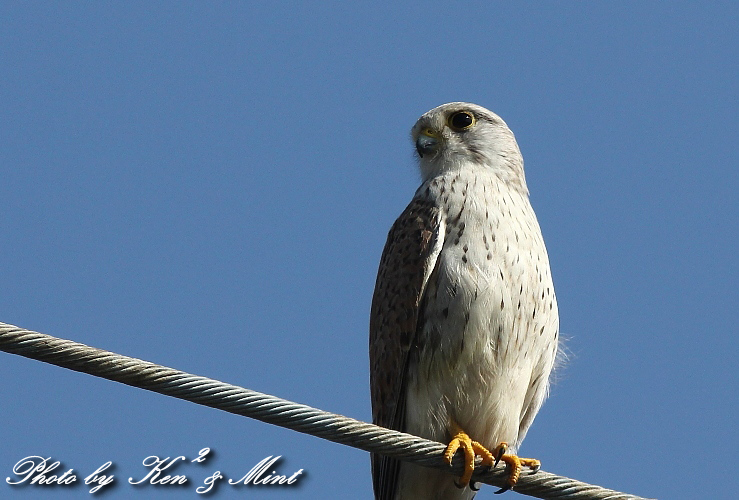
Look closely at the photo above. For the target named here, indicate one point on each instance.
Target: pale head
(464, 135)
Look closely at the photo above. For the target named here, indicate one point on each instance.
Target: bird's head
(459, 135)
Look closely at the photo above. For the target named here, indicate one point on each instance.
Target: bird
(464, 325)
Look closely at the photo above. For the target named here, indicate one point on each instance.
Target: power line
(277, 411)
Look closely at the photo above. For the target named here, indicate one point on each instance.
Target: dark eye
(461, 120)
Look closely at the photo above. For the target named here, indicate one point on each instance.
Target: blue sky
(208, 186)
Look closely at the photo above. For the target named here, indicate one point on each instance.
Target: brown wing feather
(409, 255)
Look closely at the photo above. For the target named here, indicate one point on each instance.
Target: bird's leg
(470, 448)
(514, 464)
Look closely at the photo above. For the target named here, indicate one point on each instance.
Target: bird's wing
(410, 255)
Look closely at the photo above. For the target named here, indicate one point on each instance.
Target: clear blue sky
(209, 186)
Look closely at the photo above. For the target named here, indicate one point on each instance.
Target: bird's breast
(477, 341)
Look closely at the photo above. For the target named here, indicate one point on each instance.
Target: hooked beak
(427, 143)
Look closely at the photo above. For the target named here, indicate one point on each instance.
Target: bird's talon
(473, 486)
(499, 452)
(531, 463)
(460, 486)
(470, 448)
(514, 465)
(503, 490)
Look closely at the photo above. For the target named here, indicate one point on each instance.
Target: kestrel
(464, 323)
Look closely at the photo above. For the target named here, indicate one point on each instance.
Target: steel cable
(273, 410)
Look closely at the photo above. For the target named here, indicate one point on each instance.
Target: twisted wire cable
(277, 411)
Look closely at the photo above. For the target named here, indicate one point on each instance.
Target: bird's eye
(461, 120)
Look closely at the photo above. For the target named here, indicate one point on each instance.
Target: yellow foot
(470, 449)
(514, 464)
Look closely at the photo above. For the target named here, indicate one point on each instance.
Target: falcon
(464, 324)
